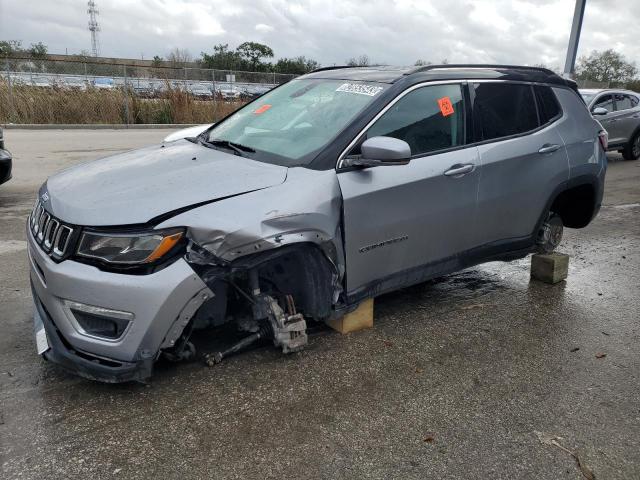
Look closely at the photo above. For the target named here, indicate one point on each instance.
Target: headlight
(130, 249)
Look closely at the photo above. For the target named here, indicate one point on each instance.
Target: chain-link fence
(48, 91)
(594, 84)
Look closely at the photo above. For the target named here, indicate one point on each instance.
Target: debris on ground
(473, 306)
(601, 355)
(574, 349)
(429, 438)
(553, 441)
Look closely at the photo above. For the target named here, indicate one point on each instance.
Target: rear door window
(503, 109)
(624, 102)
(429, 119)
(548, 106)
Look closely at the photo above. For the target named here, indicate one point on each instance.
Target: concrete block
(359, 319)
(550, 268)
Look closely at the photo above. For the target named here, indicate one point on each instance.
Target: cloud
(331, 31)
(263, 28)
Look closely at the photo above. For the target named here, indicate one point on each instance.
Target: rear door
(626, 118)
(397, 218)
(522, 156)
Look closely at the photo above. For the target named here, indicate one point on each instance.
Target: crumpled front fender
(306, 208)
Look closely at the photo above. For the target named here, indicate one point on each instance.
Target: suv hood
(137, 186)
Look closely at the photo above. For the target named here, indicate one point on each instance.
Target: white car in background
(188, 132)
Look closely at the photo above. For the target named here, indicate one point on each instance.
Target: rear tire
(632, 150)
(550, 234)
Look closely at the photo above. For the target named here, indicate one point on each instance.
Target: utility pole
(94, 28)
(574, 38)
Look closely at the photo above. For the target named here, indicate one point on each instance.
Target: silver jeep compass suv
(333, 188)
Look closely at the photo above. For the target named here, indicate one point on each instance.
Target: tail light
(603, 136)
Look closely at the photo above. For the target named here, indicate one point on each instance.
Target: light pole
(574, 38)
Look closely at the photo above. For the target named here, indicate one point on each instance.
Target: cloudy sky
(394, 32)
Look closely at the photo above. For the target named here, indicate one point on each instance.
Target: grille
(52, 235)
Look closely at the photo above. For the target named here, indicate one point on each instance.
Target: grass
(29, 104)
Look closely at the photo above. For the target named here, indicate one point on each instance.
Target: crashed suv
(333, 188)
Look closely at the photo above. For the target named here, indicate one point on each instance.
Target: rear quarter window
(503, 109)
(548, 106)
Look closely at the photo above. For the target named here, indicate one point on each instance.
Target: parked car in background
(5, 161)
(103, 83)
(331, 189)
(74, 83)
(619, 113)
(188, 132)
(229, 93)
(42, 82)
(201, 91)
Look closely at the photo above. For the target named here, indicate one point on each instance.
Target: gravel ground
(474, 375)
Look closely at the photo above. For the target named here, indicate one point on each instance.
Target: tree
(179, 57)
(222, 58)
(608, 66)
(254, 52)
(157, 61)
(421, 63)
(38, 51)
(297, 65)
(361, 61)
(10, 47)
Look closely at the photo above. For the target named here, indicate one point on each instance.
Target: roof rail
(479, 65)
(334, 67)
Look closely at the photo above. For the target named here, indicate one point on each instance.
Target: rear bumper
(5, 166)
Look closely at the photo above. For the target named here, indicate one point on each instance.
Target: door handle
(613, 120)
(548, 148)
(459, 170)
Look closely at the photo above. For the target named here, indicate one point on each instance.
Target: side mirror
(600, 111)
(378, 151)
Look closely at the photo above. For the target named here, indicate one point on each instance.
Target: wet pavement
(474, 375)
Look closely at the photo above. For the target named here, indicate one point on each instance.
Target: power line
(94, 28)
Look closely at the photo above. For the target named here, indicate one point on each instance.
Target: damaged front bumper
(157, 305)
(82, 363)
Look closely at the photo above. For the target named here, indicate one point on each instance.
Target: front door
(610, 120)
(398, 218)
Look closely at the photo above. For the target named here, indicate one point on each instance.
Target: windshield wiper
(236, 147)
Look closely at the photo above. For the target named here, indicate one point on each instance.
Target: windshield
(587, 97)
(289, 125)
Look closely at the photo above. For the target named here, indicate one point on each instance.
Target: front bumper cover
(82, 363)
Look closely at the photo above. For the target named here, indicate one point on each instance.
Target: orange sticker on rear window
(262, 109)
(446, 108)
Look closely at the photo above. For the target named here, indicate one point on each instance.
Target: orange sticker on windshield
(262, 109)
(446, 107)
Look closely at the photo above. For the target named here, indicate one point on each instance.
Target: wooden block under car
(550, 267)
(359, 319)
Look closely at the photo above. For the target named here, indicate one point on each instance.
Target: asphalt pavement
(480, 374)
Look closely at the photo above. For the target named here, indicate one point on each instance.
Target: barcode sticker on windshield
(359, 88)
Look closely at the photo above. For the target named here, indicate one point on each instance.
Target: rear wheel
(632, 150)
(550, 234)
